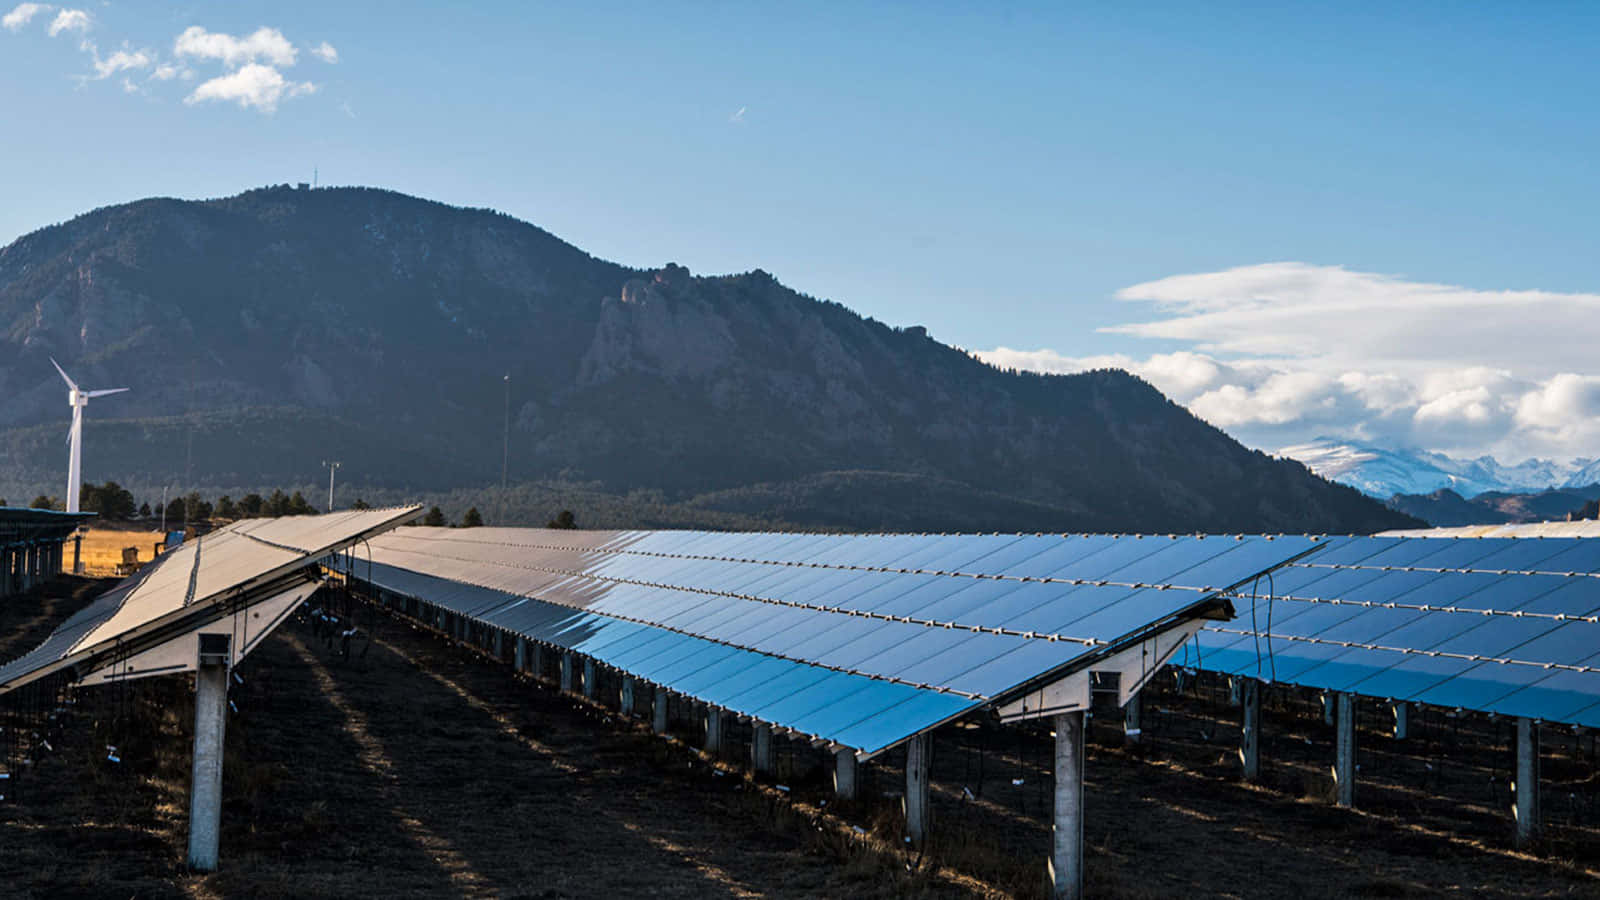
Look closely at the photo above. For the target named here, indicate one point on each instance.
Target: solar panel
(1500, 625)
(858, 640)
(135, 628)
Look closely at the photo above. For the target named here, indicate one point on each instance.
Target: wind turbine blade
(70, 383)
(93, 394)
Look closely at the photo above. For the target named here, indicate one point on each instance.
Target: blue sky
(1225, 200)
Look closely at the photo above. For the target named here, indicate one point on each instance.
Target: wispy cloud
(253, 86)
(22, 15)
(325, 52)
(1283, 352)
(738, 117)
(69, 20)
(124, 60)
(264, 44)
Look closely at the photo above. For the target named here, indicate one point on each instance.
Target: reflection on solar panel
(1500, 625)
(246, 576)
(861, 641)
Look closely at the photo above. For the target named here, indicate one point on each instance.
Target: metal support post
(713, 731)
(1066, 858)
(210, 727)
(520, 661)
(1344, 752)
(1131, 715)
(499, 645)
(588, 678)
(844, 773)
(761, 749)
(918, 757)
(625, 705)
(1402, 720)
(1525, 789)
(538, 661)
(658, 711)
(1235, 690)
(1250, 728)
(566, 671)
(1327, 708)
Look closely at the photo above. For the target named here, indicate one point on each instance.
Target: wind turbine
(79, 399)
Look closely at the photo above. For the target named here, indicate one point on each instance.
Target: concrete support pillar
(658, 711)
(625, 704)
(538, 661)
(520, 661)
(919, 757)
(713, 731)
(1066, 857)
(205, 792)
(1344, 751)
(1250, 728)
(1132, 714)
(1327, 708)
(566, 671)
(1525, 789)
(844, 773)
(761, 749)
(588, 678)
(1402, 720)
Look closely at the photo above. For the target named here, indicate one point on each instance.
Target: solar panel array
(192, 583)
(1500, 625)
(858, 640)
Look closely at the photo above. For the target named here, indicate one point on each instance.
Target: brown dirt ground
(102, 548)
(423, 768)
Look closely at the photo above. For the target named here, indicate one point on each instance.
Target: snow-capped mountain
(1382, 473)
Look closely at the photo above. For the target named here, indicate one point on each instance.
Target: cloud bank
(1281, 353)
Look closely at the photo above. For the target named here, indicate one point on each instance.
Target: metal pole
(1250, 731)
(713, 731)
(505, 456)
(1131, 714)
(844, 773)
(1066, 859)
(1344, 754)
(918, 757)
(1525, 789)
(588, 678)
(625, 704)
(521, 661)
(566, 671)
(658, 711)
(1402, 720)
(332, 468)
(761, 749)
(205, 794)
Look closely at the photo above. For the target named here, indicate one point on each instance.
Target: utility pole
(332, 468)
(164, 512)
(505, 457)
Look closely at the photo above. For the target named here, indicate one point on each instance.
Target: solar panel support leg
(520, 661)
(713, 731)
(1250, 728)
(625, 703)
(205, 792)
(1525, 790)
(1328, 704)
(77, 554)
(1402, 720)
(588, 678)
(1066, 857)
(658, 711)
(761, 749)
(844, 773)
(1344, 751)
(499, 645)
(919, 753)
(566, 672)
(538, 661)
(1132, 714)
(1235, 690)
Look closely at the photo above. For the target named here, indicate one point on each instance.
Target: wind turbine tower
(79, 399)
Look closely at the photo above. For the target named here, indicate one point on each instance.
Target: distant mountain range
(1382, 473)
(264, 333)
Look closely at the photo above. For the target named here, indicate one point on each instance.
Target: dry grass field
(422, 768)
(102, 549)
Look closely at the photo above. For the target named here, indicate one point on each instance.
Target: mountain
(1445, 508)
(1382, 473)
(264, 333)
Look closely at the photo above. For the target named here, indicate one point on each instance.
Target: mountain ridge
(381, 326)
(1384, 472)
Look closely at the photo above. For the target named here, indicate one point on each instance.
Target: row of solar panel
(865, 714)
(1513, 644)
(1208, 563)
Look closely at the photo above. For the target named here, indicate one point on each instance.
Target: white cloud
(69, 20)
(169, 71)
(123, 60)
(325, 52)
(264, 44)
(252, 86)
(738, 117)
(1284, 352)
(22, 15)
